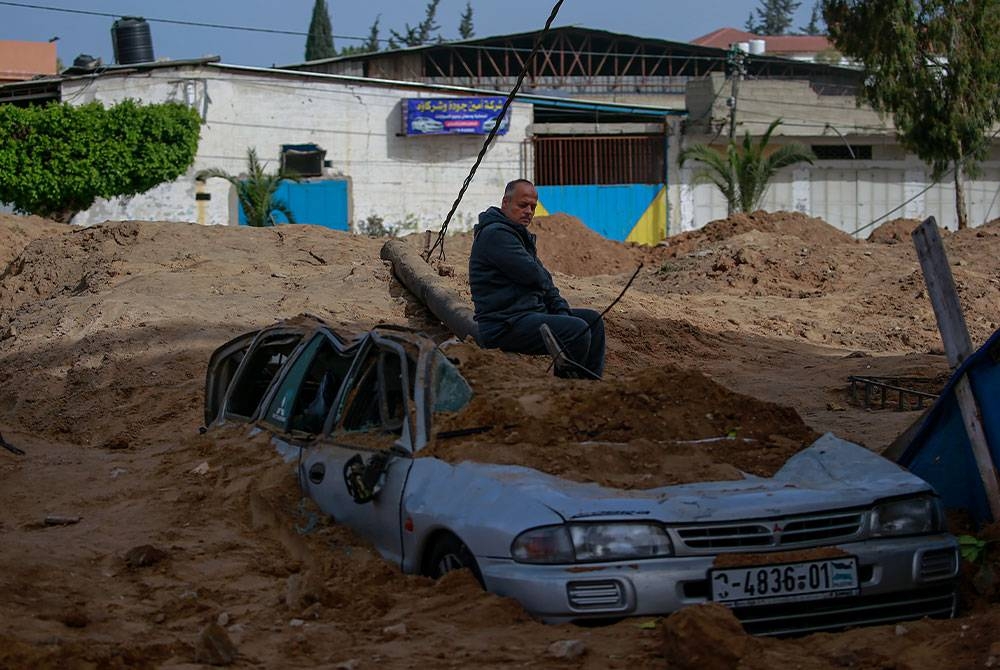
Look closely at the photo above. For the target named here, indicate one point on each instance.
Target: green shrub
(57, 160)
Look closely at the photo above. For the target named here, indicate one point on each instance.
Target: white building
(601, 143)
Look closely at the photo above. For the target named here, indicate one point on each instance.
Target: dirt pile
(808, 229)
(17, 231)
(895, 231)
(635, 431)
(122, 317)
(104, 337)
(566, 245)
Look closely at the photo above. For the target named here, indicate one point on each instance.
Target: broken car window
(264, 363)
(307, 393)
(451, 391)
(378, 400)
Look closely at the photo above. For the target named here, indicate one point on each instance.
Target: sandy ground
(130, 539)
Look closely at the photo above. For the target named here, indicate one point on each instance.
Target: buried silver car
(839, 536)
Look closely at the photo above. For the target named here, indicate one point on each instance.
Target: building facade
(598, 125)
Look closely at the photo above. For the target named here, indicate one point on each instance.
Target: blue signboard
(449, 116)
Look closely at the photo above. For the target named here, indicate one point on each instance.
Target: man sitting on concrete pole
(518, 307)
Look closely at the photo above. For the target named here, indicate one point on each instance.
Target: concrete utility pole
(736, 59)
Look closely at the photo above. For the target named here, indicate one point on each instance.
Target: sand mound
(16, 232)
(122, 317)
(895, 231)
(810, 230)
(632, 432)
(566, 245)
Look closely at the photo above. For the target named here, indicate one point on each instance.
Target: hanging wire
(591, 324)
(439, 242)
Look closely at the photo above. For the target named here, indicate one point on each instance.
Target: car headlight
(910, 516)
(580, 543)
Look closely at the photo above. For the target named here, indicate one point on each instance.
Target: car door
(305, 394)
(371, 425)
(241, 374)
(222, 367)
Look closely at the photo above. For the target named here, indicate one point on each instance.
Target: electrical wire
(933, 183)
(590, 325)
(300, 33)
(196, 24)
(439, 242)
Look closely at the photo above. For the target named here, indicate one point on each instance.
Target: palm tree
(256, 190)
(744, 173)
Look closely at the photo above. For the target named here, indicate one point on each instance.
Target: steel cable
(439, 242)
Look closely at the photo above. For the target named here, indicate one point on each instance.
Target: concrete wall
(408, 181)
(805, 111)
(853, 195)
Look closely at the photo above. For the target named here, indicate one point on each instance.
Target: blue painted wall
(321, 202)
(613, 210)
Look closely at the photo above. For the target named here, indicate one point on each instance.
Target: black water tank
(132, 41)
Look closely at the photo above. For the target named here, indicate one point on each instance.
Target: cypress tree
(465, 29)
(319, 43)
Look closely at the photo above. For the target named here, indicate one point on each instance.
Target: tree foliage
(744, 171)
(57, 160)
(370, 45)
(774, 17)
(256, 190)
(815, 18)
(319, 42)
(932, 65)
(414, 36)
(465, 28)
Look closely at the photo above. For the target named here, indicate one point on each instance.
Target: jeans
(584, 343)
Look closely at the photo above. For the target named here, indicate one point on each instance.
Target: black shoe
(563, 365)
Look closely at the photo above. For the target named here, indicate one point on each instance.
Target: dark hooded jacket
(505, 275)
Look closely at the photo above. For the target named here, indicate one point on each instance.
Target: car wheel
(449, 554)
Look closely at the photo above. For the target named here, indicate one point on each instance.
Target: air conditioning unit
(305, 160)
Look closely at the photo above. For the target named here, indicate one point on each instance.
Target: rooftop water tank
(757, 47)
(132, 41)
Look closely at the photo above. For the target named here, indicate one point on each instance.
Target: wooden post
(957, 347)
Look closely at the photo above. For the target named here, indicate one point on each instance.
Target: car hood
(829, 474)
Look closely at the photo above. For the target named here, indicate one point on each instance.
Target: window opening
(841, 152)
(304, 160)
(362, 411)
(600, 159)
(216, 388)
(307, 393)
(258, 373)
(379, 400)
(451, 391)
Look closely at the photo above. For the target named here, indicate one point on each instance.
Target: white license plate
(785, 582)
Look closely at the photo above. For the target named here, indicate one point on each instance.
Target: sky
(83, 33)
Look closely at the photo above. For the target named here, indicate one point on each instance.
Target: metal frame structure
(575, 60)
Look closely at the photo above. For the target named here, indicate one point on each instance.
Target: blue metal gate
(632, 212)
(322, 202)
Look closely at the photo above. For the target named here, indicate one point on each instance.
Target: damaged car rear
(839, 536)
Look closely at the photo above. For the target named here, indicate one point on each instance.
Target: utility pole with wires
(737, 61)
